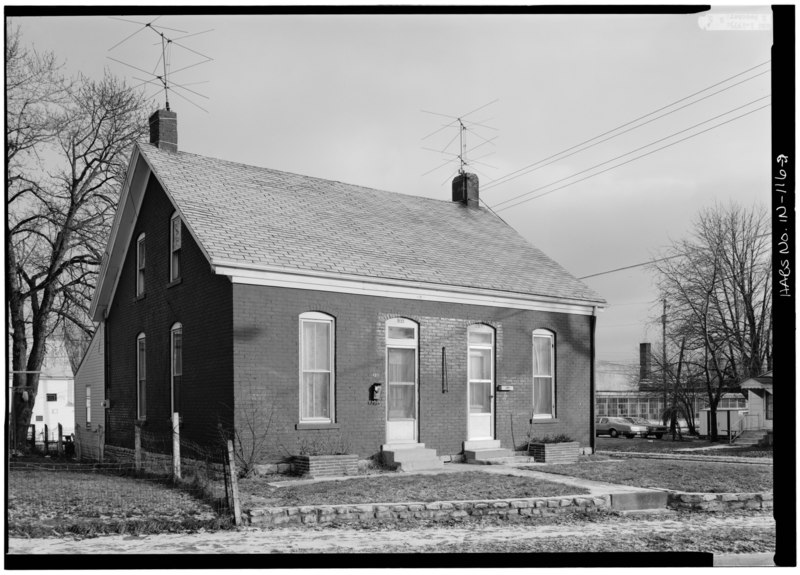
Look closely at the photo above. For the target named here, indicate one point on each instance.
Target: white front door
(480, 383)
(401, 381)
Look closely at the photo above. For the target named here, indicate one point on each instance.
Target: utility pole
(664, 351)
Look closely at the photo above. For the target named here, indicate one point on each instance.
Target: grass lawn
(666, 445)
(74, 499)
(678, 475)
(390, 488)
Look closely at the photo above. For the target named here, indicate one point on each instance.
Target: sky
(373, 99)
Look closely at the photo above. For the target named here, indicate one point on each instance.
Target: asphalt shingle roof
(261, 216)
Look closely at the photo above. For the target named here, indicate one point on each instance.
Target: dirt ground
(353, 540)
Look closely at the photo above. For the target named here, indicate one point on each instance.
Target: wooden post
(137, 447)
(46, 449)
(237, 512)
(176, 445)
(101, 443)
(60, 440)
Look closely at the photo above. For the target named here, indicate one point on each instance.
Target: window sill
(175, 282)
(301, 426)
(139, 297)
(544, 420)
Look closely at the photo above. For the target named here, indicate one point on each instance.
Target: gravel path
(319, 540)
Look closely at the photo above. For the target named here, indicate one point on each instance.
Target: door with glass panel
(480, 383)
(401, 381)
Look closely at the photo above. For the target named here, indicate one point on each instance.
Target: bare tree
(67, 144)
(719, 290)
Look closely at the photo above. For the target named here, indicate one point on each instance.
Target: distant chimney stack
(465, 189)
(645, 359)
(164, 130)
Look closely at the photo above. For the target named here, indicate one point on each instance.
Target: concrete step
(427, 465)
(638, 500)
(484, 454)
(475, 444)
(411, 458)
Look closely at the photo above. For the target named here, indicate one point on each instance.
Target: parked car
(655, 429)
(615, 426)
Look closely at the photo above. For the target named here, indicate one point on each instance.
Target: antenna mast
(464, 125)
(166, 61)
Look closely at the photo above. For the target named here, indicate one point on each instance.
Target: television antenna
(464, 127)
(164, 79)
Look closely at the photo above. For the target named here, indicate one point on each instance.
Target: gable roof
(763, 381)
(251, 218)
(251, 215)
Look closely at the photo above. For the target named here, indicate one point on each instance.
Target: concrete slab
(745, 560)
(639, 500)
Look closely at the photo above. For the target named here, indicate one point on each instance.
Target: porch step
(484, 454)
(475, 444)
(413, 457)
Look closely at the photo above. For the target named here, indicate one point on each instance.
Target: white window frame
(318, 317)
(552, 337)
(141, 262)
(88, 405)
(141, 378)
(175, 252)
(176, 327)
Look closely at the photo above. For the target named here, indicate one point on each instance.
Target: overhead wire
(511, 175)
(628, 153)
(558, 157)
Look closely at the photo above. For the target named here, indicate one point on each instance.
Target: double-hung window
(544, 397)
(175, 247)
(141, 377)
(316, 368)
(140, 253)
(88, 405)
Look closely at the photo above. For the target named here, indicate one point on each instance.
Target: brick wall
(201, 302)
(266, 368)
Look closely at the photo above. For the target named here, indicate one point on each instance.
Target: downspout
(592, 324)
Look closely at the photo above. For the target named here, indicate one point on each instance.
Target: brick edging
(365, 513)
(712, 458)
(719, 501)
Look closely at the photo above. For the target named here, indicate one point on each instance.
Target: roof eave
(240, 272)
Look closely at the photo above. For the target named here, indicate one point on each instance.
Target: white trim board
(374, 287)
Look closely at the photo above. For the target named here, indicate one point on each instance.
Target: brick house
(238, 295)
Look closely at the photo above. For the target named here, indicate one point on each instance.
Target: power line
(558, 159)
(632, 159)
(649, 263)
(512, 175)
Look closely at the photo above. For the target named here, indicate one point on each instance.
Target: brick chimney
(164, 130)
(645, 359)
(465, 189)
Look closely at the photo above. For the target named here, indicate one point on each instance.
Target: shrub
(555, 438)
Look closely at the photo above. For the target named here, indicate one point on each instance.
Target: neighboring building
(759, 396)
(242, 296)
(55, 396)
(620, 392)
